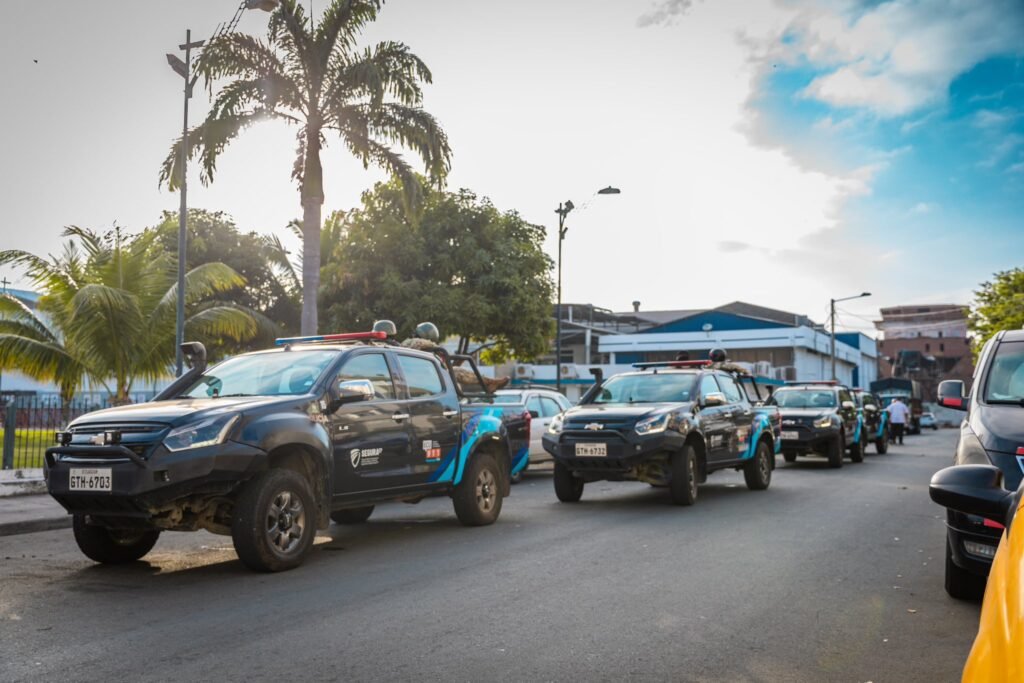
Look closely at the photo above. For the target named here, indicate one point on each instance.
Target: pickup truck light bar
(348, 336)
(828, 382)
(675, 364)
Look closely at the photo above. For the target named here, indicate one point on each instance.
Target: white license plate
(591, 450)
(90, 479)
(790, 436)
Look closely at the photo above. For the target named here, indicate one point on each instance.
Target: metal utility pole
(563, 211)
(832, 319)
(3, 282)
(184, 69)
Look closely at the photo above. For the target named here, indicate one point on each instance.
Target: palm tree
(108, 312)
(316, 78)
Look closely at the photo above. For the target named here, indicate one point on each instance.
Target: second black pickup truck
(267, 447)
(668, 424)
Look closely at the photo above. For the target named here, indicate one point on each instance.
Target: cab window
(844, 396)
(549, 408)
(421, 376)
(729, 388)
(708, 385)
(371, 366)
(533, 405)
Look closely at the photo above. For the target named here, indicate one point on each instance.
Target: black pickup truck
(667, 424)
(267, 447)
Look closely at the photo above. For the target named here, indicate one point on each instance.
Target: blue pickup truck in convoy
(270, 446)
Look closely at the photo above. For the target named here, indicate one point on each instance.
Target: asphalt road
(830, 575)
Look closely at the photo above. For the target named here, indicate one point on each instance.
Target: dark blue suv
(992, 433)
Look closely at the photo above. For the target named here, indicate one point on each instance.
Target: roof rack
(675, 364)
(331, 338)
(829, 382)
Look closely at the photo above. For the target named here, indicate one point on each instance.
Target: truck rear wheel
(568, 488)
(857, 451)
(882, 445)
(960, 583)
(683, 484)
(789, 456)
(478, 498)
(275, 521)
(112, 546)
(352, 515)
(758, 471)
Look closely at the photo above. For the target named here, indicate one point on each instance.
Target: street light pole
(3, 282)
(832, 318)
(563, 211)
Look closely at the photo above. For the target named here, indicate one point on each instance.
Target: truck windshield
(803, 398)
(263, 374)
(667, 387)
(1006, 378)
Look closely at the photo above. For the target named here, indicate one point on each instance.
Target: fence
(28, 424)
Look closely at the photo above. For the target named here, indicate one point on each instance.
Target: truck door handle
(398, 417)
(450, 413)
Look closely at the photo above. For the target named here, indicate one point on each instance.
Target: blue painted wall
(849, 338)
(718, 321)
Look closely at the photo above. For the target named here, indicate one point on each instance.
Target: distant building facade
(927, 343)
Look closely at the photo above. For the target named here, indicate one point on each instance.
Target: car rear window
(804, 398)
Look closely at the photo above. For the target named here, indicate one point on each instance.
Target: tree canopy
(475, 271)
(998, 305)
(316, 78)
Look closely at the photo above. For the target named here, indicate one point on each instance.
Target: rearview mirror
(715, 398)
(350, 391)
(972, 489)
(534, 414)
(951, 394)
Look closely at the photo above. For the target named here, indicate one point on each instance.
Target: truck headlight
(556, 424)
(652, 425)
(823, 422)
(198, 434)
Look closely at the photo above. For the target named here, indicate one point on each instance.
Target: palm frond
(223, 321)
(340, 24)
(389, 68)
(16, 312)
(40, 360)
(208, 140)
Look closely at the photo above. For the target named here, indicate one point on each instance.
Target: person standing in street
(898, 415)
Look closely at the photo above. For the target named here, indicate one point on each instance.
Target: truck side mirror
(951, 394)
(350, 391)
(714, 398)
(972, 489)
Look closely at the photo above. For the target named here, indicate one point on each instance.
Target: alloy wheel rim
(766, 470)
(691, 476)
(286, 522)
(486, 492)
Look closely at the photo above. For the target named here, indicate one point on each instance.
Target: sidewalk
(28, 514)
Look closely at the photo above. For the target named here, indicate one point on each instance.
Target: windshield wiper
(1007, 401)
(230, 395)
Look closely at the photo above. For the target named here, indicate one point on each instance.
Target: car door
(741, 418)
(370, 438)
(537, 421)
(549, 408)
(848, 411)
(716, 420)
(434, 415)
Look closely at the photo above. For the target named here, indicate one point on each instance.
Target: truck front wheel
(275, 521)
(758, 471)
(683, 484)
(112, 546)
(568, 488)
(478, 498)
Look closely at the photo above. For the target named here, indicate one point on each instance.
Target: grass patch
(29, 446)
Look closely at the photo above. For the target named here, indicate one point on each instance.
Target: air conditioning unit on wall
(569, 372)
(524, 372)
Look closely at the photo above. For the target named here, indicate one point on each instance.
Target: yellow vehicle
(998, 652)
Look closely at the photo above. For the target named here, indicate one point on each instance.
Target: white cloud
(897, 57)
(665, 12)
(922, 208)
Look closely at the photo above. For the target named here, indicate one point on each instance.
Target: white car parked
(542, 404)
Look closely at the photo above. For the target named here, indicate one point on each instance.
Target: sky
(781, 152)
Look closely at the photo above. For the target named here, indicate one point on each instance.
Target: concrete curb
(31, 526)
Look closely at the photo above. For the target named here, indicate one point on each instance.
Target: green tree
(317, 79)
(269, 288)
(474, 271)
(998, 305)
(108, 312)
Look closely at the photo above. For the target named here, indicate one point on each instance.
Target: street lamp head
(265, 5)
(609, 190)
(569, 206)
(866, 294)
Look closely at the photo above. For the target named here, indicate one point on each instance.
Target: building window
(942, 347)
(940, 333)
(927, 347)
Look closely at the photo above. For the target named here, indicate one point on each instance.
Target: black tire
(352, 515)
(758, 472)
(683, 484)
(960, 583)
(835, 452)
(789, 456)
(568, 488)
(112, 546)
(274, 522)
(478, 497)
(857, 451)
(882, 446)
